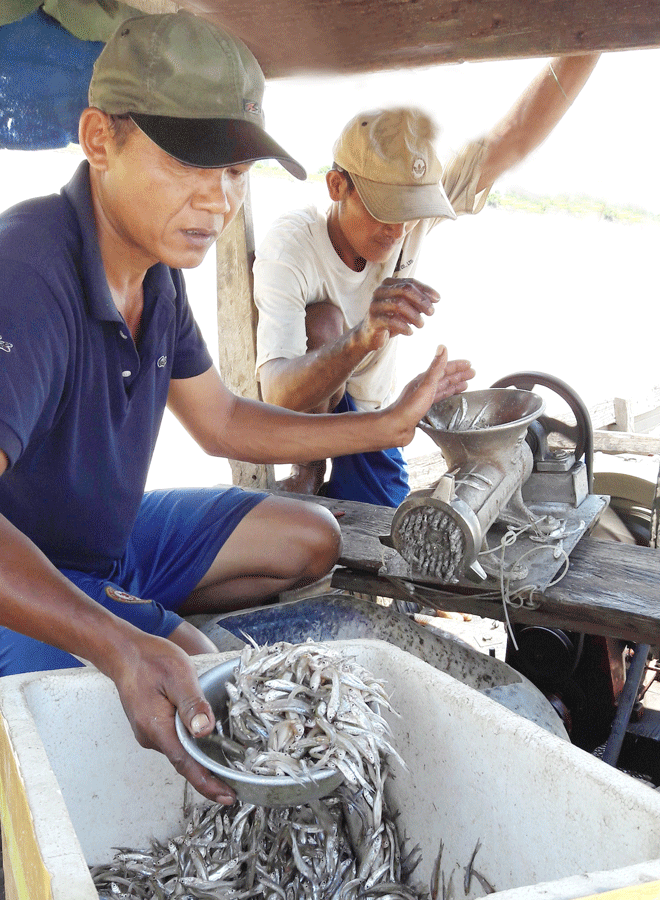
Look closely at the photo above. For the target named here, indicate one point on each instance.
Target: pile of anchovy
(297, 708)
(342, 847)
(459, 420)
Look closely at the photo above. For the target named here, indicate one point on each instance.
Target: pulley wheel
(581, 434)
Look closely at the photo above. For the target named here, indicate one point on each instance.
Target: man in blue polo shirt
(96, 337)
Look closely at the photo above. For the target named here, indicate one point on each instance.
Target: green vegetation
(270, 170)
(512, 201)
(576, 205)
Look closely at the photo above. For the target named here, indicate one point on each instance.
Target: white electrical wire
(516, 599)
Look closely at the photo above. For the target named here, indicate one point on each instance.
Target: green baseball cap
(195, 90)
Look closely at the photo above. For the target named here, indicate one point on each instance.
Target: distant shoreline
(522, 201)
(572, 205)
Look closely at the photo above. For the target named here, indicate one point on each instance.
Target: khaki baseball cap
(191, 87)
(390, 157)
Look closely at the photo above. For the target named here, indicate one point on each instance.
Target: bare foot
(305, 479)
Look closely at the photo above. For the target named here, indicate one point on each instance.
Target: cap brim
(394, 203)
(215, 143)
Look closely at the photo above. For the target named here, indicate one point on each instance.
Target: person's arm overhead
(536, 112)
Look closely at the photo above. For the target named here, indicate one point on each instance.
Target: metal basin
(262, 790)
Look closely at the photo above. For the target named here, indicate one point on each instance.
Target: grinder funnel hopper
(481, 434)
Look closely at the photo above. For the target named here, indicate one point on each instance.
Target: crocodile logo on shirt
(5, 345)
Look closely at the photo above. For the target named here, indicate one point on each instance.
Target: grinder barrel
(482, 438)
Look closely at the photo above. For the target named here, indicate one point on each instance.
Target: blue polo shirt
(80, 403)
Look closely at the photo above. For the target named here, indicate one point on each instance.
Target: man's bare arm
(535, 114)
(304, 383)
(153, 676)
(231, 426)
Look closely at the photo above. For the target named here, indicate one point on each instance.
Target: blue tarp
(44, 76)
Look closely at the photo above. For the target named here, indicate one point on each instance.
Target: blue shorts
(176, 537)
(377, 477)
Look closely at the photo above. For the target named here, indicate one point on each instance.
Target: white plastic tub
(550, 818)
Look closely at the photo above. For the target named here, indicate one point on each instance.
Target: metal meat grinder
(501, 472)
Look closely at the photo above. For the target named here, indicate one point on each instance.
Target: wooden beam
(610, 589)
(237, 323)
(626, 442)
(291, 37)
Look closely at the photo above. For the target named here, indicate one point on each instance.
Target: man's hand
(314, 382)
(153, 682)
(455, 380)
(417, 398)
(397, 304)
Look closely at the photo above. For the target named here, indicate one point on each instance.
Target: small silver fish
(327, 850)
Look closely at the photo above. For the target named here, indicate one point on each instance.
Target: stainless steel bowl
(262, 790)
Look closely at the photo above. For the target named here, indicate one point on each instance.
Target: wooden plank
(342, 36)
(602, 414)
(645, 402)
(237, 324)
(647, 421)
(476, 604)
(610, 589)
(423, 471)
(626, 442)
(640, 413)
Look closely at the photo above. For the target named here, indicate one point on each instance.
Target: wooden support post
(624, 415)
(237, 327)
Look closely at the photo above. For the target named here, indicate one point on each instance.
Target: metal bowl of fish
(215, 753)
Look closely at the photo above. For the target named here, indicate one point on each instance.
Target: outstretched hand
(455, 380)
(416, 399)
(443, 378)
(153, 683)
